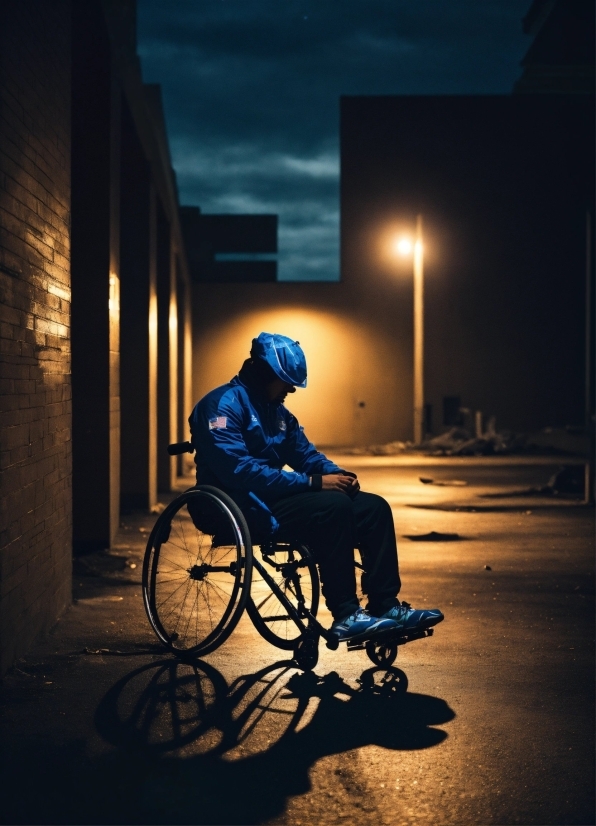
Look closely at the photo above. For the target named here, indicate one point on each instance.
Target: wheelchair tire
(294, 570)
(381, 654)
(196, 582)
(306, 652)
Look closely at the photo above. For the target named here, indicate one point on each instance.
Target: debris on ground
(459, 441)
(569, 439)
(567, 480)
(447, 483)
(114, 652)
(464, 441)
(389, 449)
(100, 563)
(487, 568)
(434, 536)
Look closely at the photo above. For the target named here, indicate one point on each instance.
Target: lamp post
(405, 247)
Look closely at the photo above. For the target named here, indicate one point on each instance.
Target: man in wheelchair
(243, 437)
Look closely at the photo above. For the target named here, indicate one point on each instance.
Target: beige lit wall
(358, 365)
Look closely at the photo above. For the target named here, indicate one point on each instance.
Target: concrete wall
(35, 469)
(355, 369)
(96, 117)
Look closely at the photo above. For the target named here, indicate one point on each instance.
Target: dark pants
(332, 525)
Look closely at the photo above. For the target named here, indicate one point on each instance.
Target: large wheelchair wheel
(197, 571)
(293, 569)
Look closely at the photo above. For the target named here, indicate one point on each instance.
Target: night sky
(251, 93)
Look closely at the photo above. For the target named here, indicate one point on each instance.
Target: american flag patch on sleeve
(218, 422)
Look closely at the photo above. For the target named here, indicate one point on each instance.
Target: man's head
(280, 363)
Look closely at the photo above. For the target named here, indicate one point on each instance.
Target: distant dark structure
(230, 249)
(506, 188)
(561, 57)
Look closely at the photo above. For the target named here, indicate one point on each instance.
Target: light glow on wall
(114, 297)
(173, 317)
(348, 367)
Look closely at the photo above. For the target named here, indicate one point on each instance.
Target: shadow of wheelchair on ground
(215, 753)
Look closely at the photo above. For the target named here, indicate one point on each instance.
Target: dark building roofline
(560, 59)
(536, 15)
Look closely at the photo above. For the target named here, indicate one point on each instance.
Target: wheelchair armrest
(180, 447)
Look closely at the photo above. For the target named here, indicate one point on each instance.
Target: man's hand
(340, 481)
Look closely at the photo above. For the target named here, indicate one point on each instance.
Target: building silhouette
(561, 57)
(230, 249)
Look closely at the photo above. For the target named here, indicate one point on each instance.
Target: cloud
(251, 93)
(325, 166)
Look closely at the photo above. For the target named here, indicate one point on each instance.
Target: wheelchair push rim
(197, 571)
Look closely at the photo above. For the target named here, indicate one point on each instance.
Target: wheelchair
(200, 572)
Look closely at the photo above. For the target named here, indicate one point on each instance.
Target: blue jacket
(242, 443)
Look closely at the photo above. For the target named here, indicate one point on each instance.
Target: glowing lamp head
(403, 246)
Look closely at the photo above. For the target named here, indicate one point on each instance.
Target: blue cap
(283, 355)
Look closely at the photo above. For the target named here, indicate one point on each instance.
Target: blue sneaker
(360, 626)
(409, 619)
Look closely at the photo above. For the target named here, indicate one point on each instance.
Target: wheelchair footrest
(356, 646)
(402, 637)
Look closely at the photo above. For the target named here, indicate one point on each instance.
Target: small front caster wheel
(380, 653)
(306, 653)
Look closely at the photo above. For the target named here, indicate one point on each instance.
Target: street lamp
(405, 246)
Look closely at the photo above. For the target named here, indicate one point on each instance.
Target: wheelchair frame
(198, 580)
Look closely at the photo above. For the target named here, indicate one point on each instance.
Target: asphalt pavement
(490, 721)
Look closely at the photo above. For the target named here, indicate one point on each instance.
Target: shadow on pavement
(187, 748)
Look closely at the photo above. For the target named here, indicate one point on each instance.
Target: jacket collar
(248, 377)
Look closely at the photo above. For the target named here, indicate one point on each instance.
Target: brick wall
(35, 411)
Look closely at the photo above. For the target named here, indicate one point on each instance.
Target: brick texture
(35, 388)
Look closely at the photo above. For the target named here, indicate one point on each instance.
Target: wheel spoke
(180, 534)
(173, 606)
(204, 583)
(184, 539)
(216, 594)
(163, 602)
(172, 562)
(268, 597)
(166, 581)
(190, 614)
